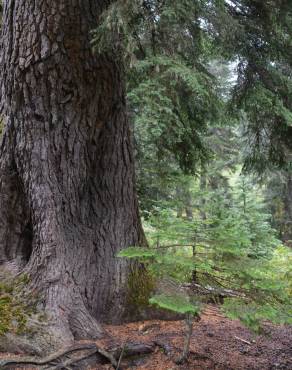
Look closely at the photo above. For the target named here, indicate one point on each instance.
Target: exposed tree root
(66, 358)
(57, 360)
(71, 361)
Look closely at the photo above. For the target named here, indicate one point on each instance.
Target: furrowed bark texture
(67, 194)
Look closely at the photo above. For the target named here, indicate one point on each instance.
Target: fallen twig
(243, 340)
(121, 356)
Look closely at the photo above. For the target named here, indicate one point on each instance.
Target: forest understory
(217, 343)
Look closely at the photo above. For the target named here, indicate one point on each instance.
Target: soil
(217, 343)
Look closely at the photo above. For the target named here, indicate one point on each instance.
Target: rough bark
(68, 202)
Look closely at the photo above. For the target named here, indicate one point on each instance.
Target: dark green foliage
(263, 48)
(172, 94)
(193, 115)
(174, 103)
(172, 38)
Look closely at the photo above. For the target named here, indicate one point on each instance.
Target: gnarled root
(78, 353)
(61, 359)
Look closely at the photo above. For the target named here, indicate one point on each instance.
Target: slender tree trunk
(203, 188)
(184, 198)
(68, 202)
(179, 211)
(189, 206)
(287, 234)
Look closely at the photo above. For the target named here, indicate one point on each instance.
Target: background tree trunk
(68, 202)
(287, 232)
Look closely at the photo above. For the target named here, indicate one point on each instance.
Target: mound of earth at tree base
(217, 343)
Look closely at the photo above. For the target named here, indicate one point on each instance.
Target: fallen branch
(167, 349)
(134, 349)
(207, 290)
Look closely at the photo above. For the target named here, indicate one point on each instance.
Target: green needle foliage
(174, 303)
(172, 95)
(170, 46)
(228, 249)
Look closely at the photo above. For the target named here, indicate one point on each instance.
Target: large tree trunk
(68, 202)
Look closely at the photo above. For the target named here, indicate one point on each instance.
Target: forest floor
(217, 343)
